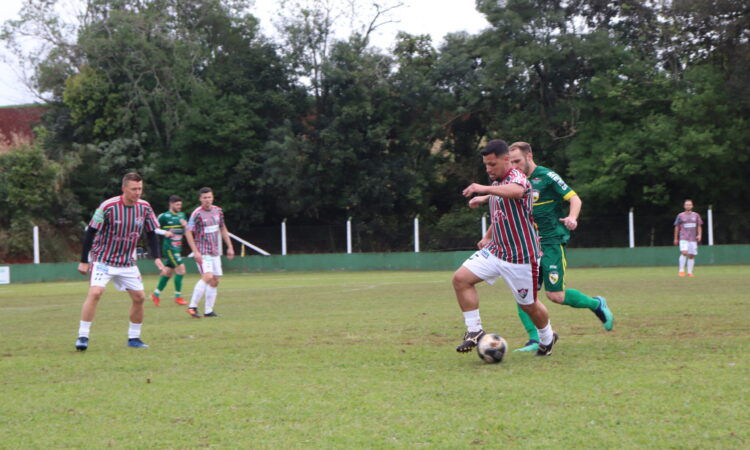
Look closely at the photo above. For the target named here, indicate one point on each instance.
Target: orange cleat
(682, 274)
(691, 275)
(180, 301)
(156, 299)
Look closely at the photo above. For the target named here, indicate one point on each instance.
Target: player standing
(173, 220)
(205, 230)
(688, 228)
(111, 238)
(509, 249)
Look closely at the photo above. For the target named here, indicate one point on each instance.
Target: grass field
(367, 360)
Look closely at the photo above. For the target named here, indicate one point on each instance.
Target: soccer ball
(491, 348)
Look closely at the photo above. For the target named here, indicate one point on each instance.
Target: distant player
(205, 231)
(174, 221)
(111, 238)
(688, 229)
(550, 192)
(509, 249)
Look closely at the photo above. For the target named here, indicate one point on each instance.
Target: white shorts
(211, 264)
(521, 278)
(124, 278)
(689, 246)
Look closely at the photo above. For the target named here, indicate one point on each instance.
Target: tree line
(636, 104)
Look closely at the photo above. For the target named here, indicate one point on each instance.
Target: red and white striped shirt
(206, 226)
(514, 236)
(118, 229)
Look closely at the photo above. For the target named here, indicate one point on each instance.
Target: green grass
(366, 359)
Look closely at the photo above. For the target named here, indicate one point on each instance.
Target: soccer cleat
(194, 313)
(681, 274)
(470, 341)
(530, 346)
(604, 314)
(546, 350)
(691, 275)
(210, 314)
(82, 343)
(136, 343)
(155, 298)
(180, 301)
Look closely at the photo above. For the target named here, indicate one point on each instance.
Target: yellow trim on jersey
(565, 264)
(171, 257)
(569, 195)
(171, 226)
(543, 203)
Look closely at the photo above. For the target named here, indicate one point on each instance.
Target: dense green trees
(638, 104)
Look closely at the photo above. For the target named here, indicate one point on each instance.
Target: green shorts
(172, 259)
(552, 268)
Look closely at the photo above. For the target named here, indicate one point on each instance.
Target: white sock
(198, 290)
(134, 330)
(683, 258)
(84, 328)
(691, 264)
(210, 298)
(545, 334)
(472, 320)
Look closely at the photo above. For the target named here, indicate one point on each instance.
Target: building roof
(19, 121)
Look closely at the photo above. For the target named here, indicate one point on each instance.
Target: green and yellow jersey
(174, 223)
(550, 191)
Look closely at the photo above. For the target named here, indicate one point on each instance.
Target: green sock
(578, 299)
(178, 285)
(162, 283)
(528, 324)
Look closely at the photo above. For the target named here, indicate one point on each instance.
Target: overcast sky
(434, 17)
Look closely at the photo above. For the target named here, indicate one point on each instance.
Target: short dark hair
(174, 198)
(131, 176)
(204, 190)
(497, 147)
(523, 146)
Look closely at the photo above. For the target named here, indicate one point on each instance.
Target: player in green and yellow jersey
(554, 226)
(175, 221)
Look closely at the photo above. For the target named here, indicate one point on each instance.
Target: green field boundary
(577, 257)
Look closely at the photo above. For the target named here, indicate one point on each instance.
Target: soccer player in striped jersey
(204, 233)
(174, 221)
(108, 251)
(509, 249)
(688, 227)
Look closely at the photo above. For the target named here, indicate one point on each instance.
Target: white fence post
(416, 234)
(631, 230)
(484, 225)
(349, 235)
(710, 225)
(283, 237)
(36, 244)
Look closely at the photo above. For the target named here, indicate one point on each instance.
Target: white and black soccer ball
(491, 348)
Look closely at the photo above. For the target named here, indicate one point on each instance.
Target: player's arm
(676, 234)
(485, 239)
(193, 248)
(475, 202)
(700, 233)
(88, 241)
(511, 190)
(153, 246)
(571, 222)
(227, 241)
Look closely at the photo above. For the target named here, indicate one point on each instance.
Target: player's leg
(532, 345)
(206, 271)
(692, 251)
(180, 274)
(163, 280)
(99, 277)
(481, 266)
(522, 279)
(129, 279)
(683, 256)
(212, 288)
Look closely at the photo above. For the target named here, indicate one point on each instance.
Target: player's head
(688, 205)
(175, 203)
(496, 158)
(132, 187)
(206, 196)
(522, 157)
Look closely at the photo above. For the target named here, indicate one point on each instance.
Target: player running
(173, 220)
(688, 227)
(550, 191)
(509, 249)
(204, 233)
(111, 239)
